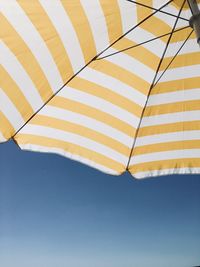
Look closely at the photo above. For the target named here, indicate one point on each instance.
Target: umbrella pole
(195, 19)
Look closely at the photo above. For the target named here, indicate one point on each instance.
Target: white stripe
(152, 173)
(73, 139)
(62, 152)
(156, 47)
(132, 65)
(167, 137)
(180, 73)
(171, 118)
(66, 32)
(97, 23)
(128, 13)
(170, 9)
(169, 20)
(100, 104)
(19, 75)
(191, 46)
(157, 4)
(185, 13)
(114, 85)
(2, 138)
(166, 155)
(88, 122)
(182, 23)
(171, 97)
(140, 35)
(17, 17)
(10, 111)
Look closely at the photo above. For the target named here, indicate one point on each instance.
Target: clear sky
(55, 212)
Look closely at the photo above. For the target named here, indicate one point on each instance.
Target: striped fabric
(69, 85)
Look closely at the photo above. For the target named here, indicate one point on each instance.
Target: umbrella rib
(190, 7)
(173, 58)
(50, 98)
(142, 43)
(134, 27)
(168, 42)
(152, 8)
(152, 85)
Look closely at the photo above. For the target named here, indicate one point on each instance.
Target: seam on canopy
(153, 83)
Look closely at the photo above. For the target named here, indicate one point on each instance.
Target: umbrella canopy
(113, 84)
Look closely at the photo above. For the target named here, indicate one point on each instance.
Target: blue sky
(55, 212)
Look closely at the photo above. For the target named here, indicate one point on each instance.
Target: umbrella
(113, 84)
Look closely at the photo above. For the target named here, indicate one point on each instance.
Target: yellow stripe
(6, 127)
(189, 59)
(143, 12)
(71, 148)
(165, 164)
(169, 128)
(177, 85)
(181, 36)
(121, 74)
(81, 130)
(46, 29)
(113, 18)
(18, 99)
(153, 24)
(96, 114)
(172, 107)
(168, 146)
(82, 27)
(161, 27)
(19, 48)
(106, 94)
(178, 4)
(139, 53)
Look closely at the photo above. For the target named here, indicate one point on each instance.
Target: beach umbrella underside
(113, 84)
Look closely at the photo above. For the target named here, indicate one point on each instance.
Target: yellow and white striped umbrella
(114, 84)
